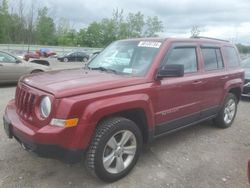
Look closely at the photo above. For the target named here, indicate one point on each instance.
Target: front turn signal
(64, 122)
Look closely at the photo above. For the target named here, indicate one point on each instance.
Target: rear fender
(235, 83)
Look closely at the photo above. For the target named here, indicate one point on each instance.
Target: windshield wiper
(104, 69)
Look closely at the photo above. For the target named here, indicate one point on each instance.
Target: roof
(191, 39)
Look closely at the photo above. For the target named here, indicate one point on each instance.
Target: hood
(65, 83)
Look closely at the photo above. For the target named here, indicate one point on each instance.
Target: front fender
(95, 111)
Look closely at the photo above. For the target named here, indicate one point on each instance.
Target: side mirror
(170, 70)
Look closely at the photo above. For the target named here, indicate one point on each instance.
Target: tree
(45, 28)
(195, 31)
(4, 22)
(30, 24)
(20, 26)
(153, 26)
(94, 35)
(109, 31)
(20, 31)
(16, 29)
(135, 23)
(63, 29)
(243, 49)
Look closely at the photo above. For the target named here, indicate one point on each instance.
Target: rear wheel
(85, 59)
(65, 59)
(227, 113)
(115, 149)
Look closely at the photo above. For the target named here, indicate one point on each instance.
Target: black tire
(65, 59)
(85, 59)
(106, 130)
(220, 119)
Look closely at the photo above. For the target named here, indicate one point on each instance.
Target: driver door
(179, 97)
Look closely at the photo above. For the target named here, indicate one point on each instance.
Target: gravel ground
(201, 156)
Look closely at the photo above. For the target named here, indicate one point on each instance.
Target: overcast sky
(226, 19)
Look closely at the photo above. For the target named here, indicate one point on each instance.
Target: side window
(212, 58)
(185, 56)
(231, 57)
(6, 58)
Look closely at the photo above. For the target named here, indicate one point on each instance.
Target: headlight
(45, 107)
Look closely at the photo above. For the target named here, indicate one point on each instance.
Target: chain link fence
(22, 48)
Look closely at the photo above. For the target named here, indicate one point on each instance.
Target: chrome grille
(24, 102)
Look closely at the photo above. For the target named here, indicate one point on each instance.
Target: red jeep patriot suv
(131, 93)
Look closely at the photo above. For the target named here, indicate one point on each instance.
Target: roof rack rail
(201, 37)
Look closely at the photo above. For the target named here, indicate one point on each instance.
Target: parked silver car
(12, 68)
(246, 66)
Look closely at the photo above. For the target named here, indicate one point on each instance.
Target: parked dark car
(246, 66)
(74, 56)
(93, 55)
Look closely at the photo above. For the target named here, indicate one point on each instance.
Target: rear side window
(185, 56)
(231, 57)
(212, 58)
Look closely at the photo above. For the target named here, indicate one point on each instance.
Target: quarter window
(212, 58)
(231, 57)
(185, 56)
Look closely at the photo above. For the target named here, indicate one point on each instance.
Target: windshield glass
(127, 57)
(246, 63)
(68, 53)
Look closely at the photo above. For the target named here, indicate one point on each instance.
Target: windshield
(127, 57)
(246, 63)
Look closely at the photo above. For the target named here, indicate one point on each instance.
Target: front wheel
(115, 149)
(227, 113)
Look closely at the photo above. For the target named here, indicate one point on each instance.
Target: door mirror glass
(170, 70)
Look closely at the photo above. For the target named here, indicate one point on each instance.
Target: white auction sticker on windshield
(149, 44)
(127, 70)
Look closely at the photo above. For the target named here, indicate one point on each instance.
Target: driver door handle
(196, 82)
(224, 78)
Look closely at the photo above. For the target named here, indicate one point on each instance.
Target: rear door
(214, 78)
(74, 56)
(179, 98)
(80, 56)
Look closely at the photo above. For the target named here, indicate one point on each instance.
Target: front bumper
(48, 141)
